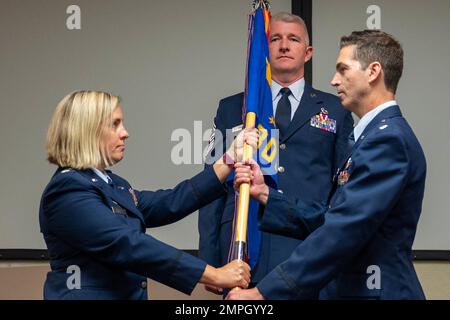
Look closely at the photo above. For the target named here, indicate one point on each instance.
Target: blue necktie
(283, 113)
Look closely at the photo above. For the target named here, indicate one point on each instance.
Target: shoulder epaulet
(383, 124)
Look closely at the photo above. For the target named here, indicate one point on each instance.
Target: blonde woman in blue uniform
(94, 222)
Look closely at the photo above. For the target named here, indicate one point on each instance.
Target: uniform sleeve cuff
(185, 278)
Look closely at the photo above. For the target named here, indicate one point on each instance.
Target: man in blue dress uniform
(360, 245)
(309, 149)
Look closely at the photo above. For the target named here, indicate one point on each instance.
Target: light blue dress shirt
(297, 89)
(102, 175)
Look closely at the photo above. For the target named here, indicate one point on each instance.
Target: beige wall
(23, 280)
(435, 279)
(169, 61)
(421, 91)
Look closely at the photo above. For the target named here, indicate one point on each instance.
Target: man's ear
(375, 71)
(309, 53)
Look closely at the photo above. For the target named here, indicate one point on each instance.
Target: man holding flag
(313, 130)
(360, 244)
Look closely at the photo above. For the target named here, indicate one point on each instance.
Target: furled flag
(258, 99)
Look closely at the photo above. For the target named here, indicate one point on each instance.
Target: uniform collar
(103, 175)
(382, 116)
(369, 116)
(119, 191)
(296, 88)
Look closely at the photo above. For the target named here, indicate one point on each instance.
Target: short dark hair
(376, 45)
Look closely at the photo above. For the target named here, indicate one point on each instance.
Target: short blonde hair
(77, 126)
(291, 18)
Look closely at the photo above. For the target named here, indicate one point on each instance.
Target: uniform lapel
(309, 106)
(116, 192)
(123, 196)
(390, 112)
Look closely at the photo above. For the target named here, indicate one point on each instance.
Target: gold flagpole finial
(261, 4)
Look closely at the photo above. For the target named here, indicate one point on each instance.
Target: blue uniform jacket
(309, 157)
(100, 229)
(362, 247)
